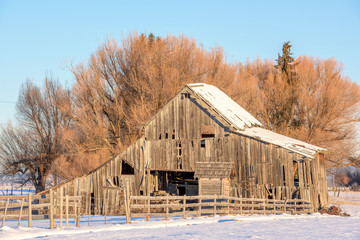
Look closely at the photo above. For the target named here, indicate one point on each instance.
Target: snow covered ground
(314, 226)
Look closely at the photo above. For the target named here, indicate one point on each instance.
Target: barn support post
(156, 181)
(147, 182)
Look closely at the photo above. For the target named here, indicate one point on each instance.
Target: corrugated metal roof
(238, 117)
(245, 123)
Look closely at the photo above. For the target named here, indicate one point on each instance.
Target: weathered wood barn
(202, 142)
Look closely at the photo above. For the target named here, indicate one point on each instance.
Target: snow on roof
(245, 123)
(238, 117)
(292, 144)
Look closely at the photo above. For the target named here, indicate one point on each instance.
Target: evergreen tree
(285, 63)
(286, 66)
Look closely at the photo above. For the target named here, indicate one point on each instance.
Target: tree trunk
(39, 187)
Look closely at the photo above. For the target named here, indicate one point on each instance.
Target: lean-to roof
(246, 124)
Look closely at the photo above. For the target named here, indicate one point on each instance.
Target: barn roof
(292, 144)
(238, 117)
(246, 124)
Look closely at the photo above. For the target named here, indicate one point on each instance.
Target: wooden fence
(166, 206)
(18, 207)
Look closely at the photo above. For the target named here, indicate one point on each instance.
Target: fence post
(30, 211)
(184, 208)
(105, 206)
(52, 223)
(148, 202)
(228, 206)
(274, 206)
(241, 205)
(215, 205)
(76, 218)
(265, 202)
(167, 209)
(252, 205)
(21, 208)
(67, 210)
(89, 210)
(127, 203)
(78, 215)
(61, 207)
(6, 207)
(200, 206)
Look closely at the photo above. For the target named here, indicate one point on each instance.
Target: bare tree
(31, 147)
(122, 86)
(324, 107)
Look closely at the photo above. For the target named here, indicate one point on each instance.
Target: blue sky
(42, 37)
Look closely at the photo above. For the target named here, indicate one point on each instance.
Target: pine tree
(285, 63)
(286, 66)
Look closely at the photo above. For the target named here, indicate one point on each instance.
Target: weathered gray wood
(6, 207)
(21, 209)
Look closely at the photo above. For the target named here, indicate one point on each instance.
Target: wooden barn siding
(185, 118)
(96, 180)
(255, 162)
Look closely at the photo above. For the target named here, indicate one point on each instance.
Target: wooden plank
(29, 211)
(6, 207)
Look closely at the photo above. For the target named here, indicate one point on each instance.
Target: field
(284, 226)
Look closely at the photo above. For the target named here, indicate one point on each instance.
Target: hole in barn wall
(126, 168)
(283, 173)
(160, 136)
(207, 131)
(185, 95)
(166, 135)
(173, 134)
(203, 143)
(179, 153)
(296, 173)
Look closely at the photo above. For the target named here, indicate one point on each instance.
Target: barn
(203, 143)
